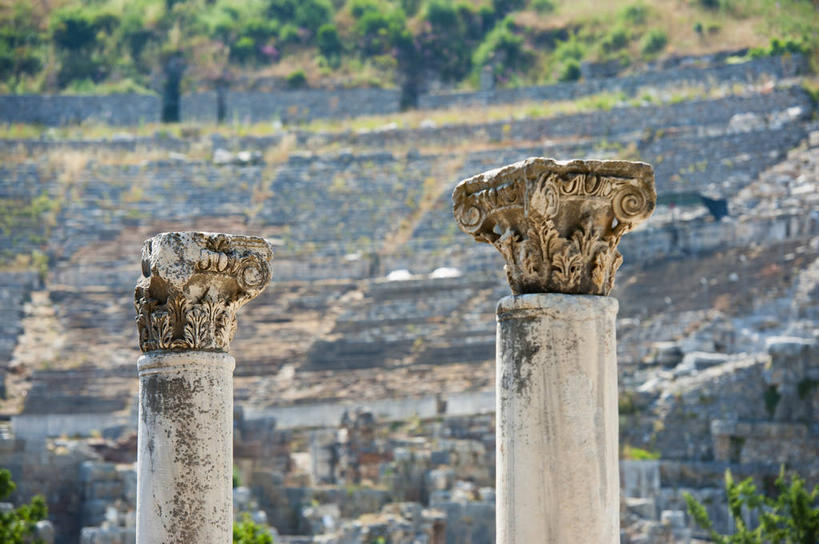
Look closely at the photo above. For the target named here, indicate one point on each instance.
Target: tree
(790, 518)
(19, 525)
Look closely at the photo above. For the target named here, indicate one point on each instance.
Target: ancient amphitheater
(380, 319)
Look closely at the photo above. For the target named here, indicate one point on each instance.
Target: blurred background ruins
(337, 129)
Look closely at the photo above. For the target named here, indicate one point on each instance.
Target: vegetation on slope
(792, 517)
(19, 525)
(131, 45)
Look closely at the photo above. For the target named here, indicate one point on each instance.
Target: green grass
(638, 454)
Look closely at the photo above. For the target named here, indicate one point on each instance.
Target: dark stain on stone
(518, 340)
(172, 398)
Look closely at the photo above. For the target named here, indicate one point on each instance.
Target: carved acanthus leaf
(193, 285)
(557, 224)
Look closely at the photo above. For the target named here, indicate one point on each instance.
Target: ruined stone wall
(746, 72)
(60, 110)
(615, 123)
(308, 104)
(689, 119)
(201, 107)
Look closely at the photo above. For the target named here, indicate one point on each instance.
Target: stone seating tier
(331, 217)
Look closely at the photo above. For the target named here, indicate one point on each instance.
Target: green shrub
(571, 49)
(259, 29)
(502, 7)
(487, 17)
(282, 10)
(329, 42)
(653, 42)
(243, 50)
(19, 525)
(615, 40)
(410, 7)
(134, 34)
(297, 79)
(442, 14)
(245, 531)
(378, 31)
(18, 61)
(780, 47)
(79, 68)
(312, 14)
(20, 41)
(307, 14)
(289, 34)
(73, 28)
(543, 6)
(709, 4)
(504, 49)
(791, 517)
(359, 7)
(634, 14)
(447, 41)
(570, 71)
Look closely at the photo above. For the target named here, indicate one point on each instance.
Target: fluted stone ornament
(192, 286)
(557, 223)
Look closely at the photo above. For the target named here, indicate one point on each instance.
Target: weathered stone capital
(193, 284)
(557, 223)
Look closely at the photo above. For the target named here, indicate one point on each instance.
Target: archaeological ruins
(349, 368)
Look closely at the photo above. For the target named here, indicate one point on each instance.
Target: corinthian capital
(557, 223)
(192, 286)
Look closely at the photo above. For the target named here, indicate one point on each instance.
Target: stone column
(557, 224)
(192, 286)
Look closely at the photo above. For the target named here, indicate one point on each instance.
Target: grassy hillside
(85, 46)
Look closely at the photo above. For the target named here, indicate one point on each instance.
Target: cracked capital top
(193, 283)
(557, 223)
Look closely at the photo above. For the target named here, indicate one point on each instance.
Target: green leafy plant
(297, 79)
(329, 42)
(246, 531)
(236, 480)
(653, 42)
(543, 6)
(307, 14)
(779, 47)
(504, 48)
(639, 454)
(615, 40)
(19, 525)
(570, 71)
(634, 14)
(792, 517)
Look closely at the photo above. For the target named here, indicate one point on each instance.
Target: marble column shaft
(557, 422)
(185, 455)
(557, 225)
